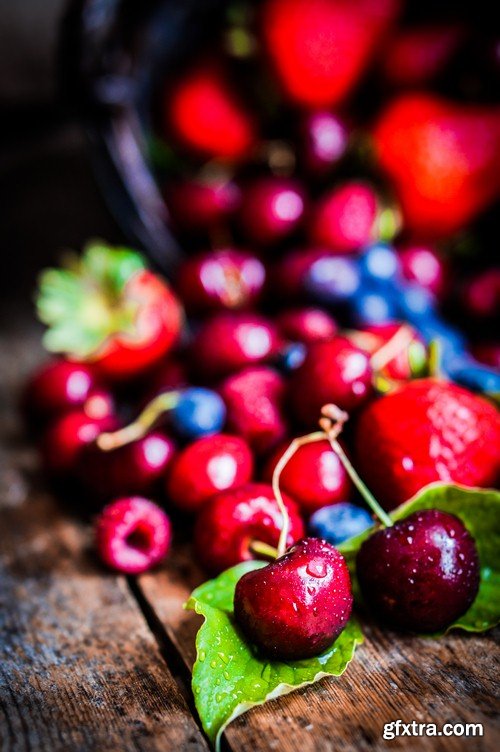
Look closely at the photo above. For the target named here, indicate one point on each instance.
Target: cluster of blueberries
(370, 290)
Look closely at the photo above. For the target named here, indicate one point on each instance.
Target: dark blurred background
(49, 199)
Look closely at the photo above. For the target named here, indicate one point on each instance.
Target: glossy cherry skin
(135, 468)
(336, 371)
(313, 477)
(231, 520)
(325, 138)
(306, 325)
(487, 353)
(58, 387)
(220, 280)
(203, 204)
(297, 606)
(206, 467)
(290, 273)
(254, 400)
(423, 264)
(420, 574)
(272, 208)
(230, 341)
(65, 439)
(482, 294)
(345, 218)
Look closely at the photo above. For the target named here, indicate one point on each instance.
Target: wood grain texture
(79, 668)
(391, 677)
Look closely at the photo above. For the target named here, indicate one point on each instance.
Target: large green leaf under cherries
(479, 510)
(229, 675)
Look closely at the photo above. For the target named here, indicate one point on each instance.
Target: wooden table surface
(94, 661)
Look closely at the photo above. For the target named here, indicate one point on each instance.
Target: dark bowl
(114, 54)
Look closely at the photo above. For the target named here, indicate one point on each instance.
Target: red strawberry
(443, 158)
(205, 115)
(415, 56)
(320, 48)
(429, 430)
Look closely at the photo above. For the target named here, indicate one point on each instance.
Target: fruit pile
(322, 271)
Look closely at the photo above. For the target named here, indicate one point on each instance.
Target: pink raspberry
(132, 535)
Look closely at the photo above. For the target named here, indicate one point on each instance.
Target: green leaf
(229, 676)
(82, 303)
(479, 510)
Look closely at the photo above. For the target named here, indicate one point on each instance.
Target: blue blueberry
(199, 412)
(380, 263)
(291, 356)
(333, 279)
(415, 303)
(339, 522)
(372, 306)
(476, 377)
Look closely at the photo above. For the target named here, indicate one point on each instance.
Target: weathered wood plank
(392, 677)
(79, 668)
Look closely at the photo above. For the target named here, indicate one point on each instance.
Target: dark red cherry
(206, 467)
(232, 340)
(135, 468)
(325, 139)
(58, 387)
(289, 274)
(65, 439)
(222, 279)
(204, 203)
(345, 218)
(314, 476)
(422, 573)
(272, 208)
(306, 325)
(335, 371)
(481, 296)
(298, 605)
(422, 264)
(231, 520)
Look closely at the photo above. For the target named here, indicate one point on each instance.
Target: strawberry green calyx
(84, 302)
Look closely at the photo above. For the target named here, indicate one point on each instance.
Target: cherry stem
(280, 466)
(141, 425)
(332, 422)
(263, 550)
(397, 344)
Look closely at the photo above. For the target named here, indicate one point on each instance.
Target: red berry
(422, 573)
(288, 274)
(205, 467)
(135, 468)
(132, 535)
(482, 294)
(325, 139)
(58, 387)
(426, 431)
(488, 353)
(415, 56)
(297, 606)
(306, 325)
(320, 48)
(314, 477)
(231, 520)
(345, 218)
(334, 371)
(221, 279)
(230, 341)
(253, 400)
(423, 264)
(203, 204)
(443, 159)
(373, 339)
(271, 209)
(65, 439)
(205, 114)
